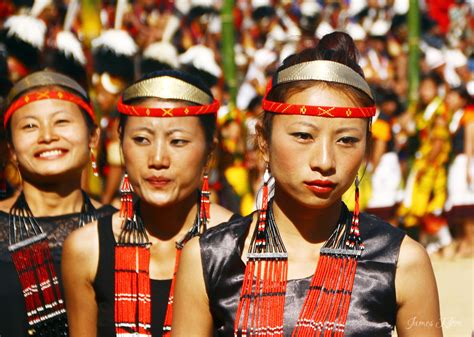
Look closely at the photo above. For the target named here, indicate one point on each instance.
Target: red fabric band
(194, 110)
(320, 111)
(46, 94)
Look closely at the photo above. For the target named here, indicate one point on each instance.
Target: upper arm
(417, 294)
(79, 264)
(190, 292)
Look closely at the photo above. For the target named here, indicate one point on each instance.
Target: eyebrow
(347, 128)
(305, 124)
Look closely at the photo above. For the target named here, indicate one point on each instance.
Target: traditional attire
(257, 299)
(30, 249)
(129, 302)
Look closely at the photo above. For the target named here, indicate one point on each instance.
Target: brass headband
(167, 87)
(323, 70)
(44, 78)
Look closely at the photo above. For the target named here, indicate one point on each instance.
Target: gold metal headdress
(45, 78)
(323, 70)
(166, 87)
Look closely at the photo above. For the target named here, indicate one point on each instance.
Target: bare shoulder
(412, 255)
(96, 203)
(6, 204)
(219, 215)
(83, 239)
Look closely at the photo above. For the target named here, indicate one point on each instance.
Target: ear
(94, 138)
(262, 142)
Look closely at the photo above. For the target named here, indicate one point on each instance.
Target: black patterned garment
(13, 321)
(372, 310)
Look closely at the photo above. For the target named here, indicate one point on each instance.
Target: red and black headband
(320, 70)
(167, 87)
(34, 87)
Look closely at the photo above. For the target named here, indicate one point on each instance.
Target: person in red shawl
(304, 265)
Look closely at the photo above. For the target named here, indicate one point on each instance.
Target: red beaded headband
(46, 94)
(167, 87)
(320, 70)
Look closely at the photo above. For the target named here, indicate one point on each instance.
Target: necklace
(262, 300)
(132, 263)
(31, 255)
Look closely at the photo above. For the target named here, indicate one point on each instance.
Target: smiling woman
(51, 130)
(122, 281)
(312, 268)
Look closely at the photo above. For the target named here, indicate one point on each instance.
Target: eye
(348, 140)
(302, 136)
(28, 126)
(179, 142)
(140, 140)
(62, 121)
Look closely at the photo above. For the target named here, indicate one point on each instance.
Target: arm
(190, 292)
(469, 148)
(378, 150)
(417, 295)
(79, 262)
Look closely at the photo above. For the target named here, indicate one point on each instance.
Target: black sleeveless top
(105, 290)
(373, 307)
(13, 321)
(104, 286)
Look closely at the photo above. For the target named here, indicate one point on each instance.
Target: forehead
(46, 108)
(320, 95)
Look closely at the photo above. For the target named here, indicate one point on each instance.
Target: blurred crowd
(419, 174)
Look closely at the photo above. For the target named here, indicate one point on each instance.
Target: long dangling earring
(262, 210)
(94, 164)
(354, 235)
(126, 198)
(205, 205)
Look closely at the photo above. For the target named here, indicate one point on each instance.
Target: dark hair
(338, 47)
(208, 122)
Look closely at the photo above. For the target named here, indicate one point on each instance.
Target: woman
(167, 134)
(51, 131)
(313, 160)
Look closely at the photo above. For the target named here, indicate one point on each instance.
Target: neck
(312, 225)
(54, 199)
(165, 223)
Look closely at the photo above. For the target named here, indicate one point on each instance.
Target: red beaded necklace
(324, 313)
(132, 263)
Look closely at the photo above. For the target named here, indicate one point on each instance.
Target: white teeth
(51, 153)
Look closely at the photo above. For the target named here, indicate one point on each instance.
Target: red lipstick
(158, 181)
(320, 186)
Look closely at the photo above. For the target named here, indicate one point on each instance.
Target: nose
(159, 157)
(323, 158)
(47, 134)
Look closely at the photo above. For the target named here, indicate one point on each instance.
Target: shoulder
(229, 229)
(412, 256)
(382, 240)
(81, 240)
(219, 215)
(6, 204)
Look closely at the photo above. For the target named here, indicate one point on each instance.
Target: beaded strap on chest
(31, 255)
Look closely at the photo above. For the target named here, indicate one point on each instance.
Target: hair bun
(339, 47)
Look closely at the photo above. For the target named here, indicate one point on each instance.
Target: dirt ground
(455, 281)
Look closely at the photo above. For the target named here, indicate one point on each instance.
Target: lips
(50, 153)
(158, 181)
(320, 186)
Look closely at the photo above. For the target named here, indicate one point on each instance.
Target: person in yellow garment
(425, 191)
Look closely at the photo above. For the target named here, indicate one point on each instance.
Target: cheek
(189, 165)
(286, 160)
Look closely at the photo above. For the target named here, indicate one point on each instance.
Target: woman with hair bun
(303, 264)
(119, 282)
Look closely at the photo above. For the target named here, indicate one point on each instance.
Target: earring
(126, 198)
(205, 205)
(94, 164)
(354, 234)
(262, 211)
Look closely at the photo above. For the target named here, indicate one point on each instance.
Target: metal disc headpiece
(167, 87)
(320, 70)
